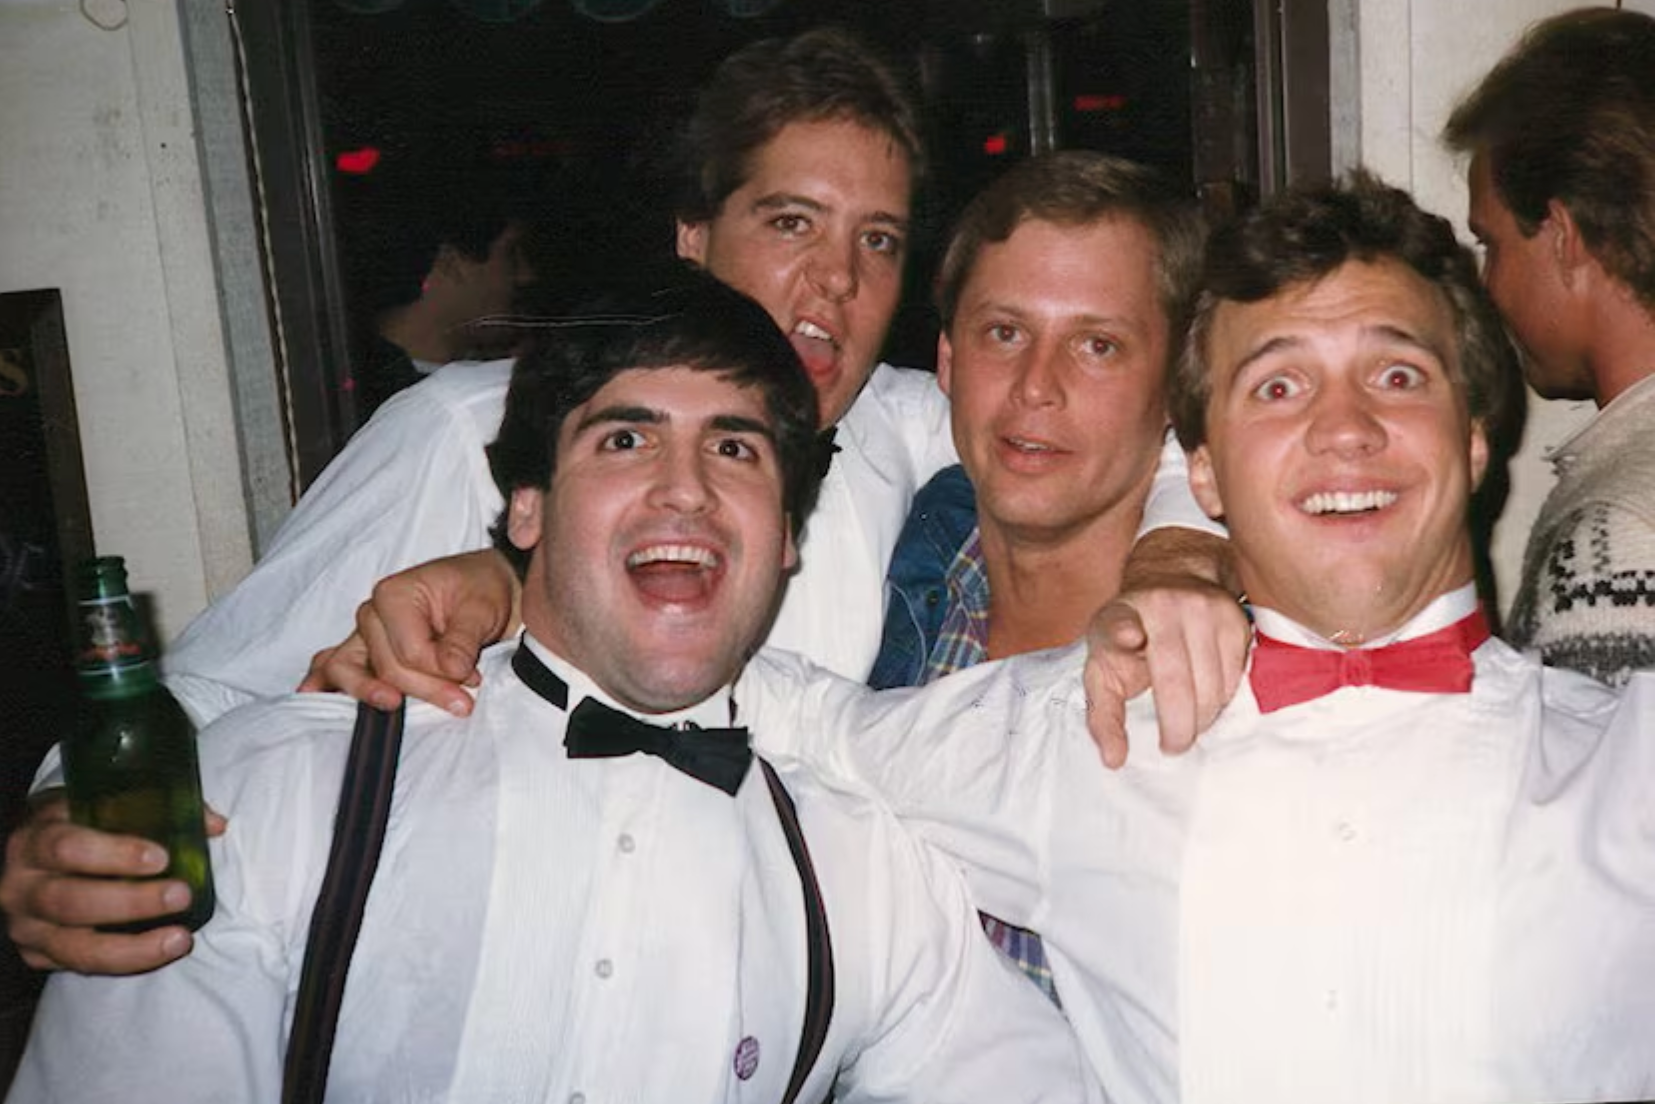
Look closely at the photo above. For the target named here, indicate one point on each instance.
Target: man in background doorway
(1560, 138)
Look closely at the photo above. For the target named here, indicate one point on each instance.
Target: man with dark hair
(1406, 862)
(592, 891)
(425, 257)
(1560, 138)
(1060, 293)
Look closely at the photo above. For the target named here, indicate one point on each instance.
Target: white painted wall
(100, 196)
(1416, 58)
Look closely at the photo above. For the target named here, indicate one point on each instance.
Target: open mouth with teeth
(816, 347)
(1347, 502)
(677, 574)
(1029, 455)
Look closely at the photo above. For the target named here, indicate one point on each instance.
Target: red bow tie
(1437, 663)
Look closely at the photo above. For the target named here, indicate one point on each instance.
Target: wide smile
(1346, 503)
(676, 573)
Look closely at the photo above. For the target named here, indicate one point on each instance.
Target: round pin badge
(747, 1058)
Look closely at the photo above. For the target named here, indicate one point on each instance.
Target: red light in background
(357, 162)
(994, 145)
(1089, 102)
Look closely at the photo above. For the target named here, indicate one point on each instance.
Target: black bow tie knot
(717, 756)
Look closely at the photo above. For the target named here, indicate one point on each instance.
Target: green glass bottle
(130, 763)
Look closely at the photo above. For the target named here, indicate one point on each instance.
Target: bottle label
(111, 634)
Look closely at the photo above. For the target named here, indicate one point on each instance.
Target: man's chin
(666, 684)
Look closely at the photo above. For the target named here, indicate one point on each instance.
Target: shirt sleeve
(954, 1023)
(1171, 503)
(411, 486)
(969, 762)
(1592, 605)
(204, 1030)
(211, 1027)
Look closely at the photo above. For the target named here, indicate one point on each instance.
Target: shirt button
(577, 1098)
(625, 843)
(1345, 831)
(604, 968)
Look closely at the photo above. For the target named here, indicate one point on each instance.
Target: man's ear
(692, 241)
(945, 363)
(523, 517)
(1477, 454)
(790, 551)
(1203, 485)
(448, 265)
(1569, 250)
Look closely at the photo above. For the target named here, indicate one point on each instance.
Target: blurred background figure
(427, 252)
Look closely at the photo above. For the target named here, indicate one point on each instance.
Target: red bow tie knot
(1437, 663)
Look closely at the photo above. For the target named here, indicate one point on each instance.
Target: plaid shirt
(963, 642)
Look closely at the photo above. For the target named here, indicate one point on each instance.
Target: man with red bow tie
(1407, 862)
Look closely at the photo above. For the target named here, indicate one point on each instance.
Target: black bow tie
(717, 756)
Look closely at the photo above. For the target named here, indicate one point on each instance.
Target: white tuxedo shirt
(1373, 896)
(547, 929)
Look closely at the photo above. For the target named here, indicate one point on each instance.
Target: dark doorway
(571, 96)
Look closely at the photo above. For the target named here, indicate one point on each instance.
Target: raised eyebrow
(633, 415)
(1269, 348)
(741, 423)
(775, 201)
(1397, 335)
(887, 219)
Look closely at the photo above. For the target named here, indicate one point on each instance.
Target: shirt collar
(1440, 612)
(711, 712)
(1630, 404)
(967, 578)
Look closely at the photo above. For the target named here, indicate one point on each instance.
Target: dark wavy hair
(821, 75)
(1306, 233)
(1079, 188)
(691, 321)
(1566, 115)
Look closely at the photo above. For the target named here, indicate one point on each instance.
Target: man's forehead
(1381, 301)
(678, 391)
(1117, 254)
(786, 176)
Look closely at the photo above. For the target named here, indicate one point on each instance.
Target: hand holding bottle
(64, 881)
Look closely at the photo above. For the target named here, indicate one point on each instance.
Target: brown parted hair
(1306, 233)
(1079, 188)
(1566, 115)
(678, 318)
(821, 75)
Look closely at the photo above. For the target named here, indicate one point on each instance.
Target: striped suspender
(819, 966)
(359, 833)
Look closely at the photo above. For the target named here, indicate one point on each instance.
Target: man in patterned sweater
(1560, 139)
